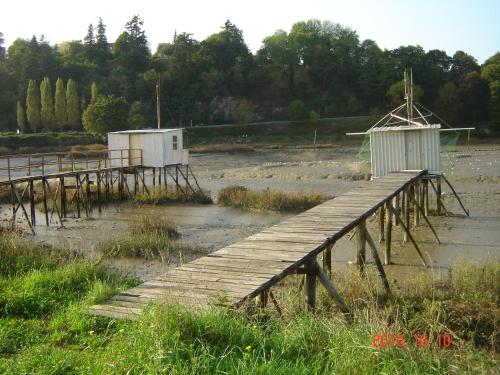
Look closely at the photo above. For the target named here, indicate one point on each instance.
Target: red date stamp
(384, 340)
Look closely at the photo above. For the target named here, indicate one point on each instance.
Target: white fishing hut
(149, 148)
(405, 140)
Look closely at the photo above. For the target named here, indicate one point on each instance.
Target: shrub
(107, 113)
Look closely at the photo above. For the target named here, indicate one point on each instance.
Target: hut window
(174, 142)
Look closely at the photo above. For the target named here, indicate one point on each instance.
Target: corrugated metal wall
(398, 150)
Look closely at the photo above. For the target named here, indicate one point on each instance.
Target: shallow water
(474, 172)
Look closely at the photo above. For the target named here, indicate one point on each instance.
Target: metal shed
(148, 147)
(399, 148)
(404, 139)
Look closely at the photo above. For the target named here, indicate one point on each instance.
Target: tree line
(317, 69)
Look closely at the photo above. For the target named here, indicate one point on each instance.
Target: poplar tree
(21, 121)
(47, 114)
(72, 105)
(60, 104)
(33, 105)
(94, 92)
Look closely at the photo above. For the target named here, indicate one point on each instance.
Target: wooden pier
(82, 180)
(249, 268)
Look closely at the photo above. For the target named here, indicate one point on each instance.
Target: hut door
(135, 149)
(412, 140)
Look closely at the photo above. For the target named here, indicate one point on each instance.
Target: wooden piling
(262, 298)
(388, 236)
(361, 245)
(438, 194)
(381, 222)
(310, 286)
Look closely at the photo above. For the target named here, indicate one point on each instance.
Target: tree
(448, 103)
(89, 42)
(94, 93)
(72, 105)
(47, 104)
(21, 121)
(490, 72)
(396, 93)
(137, 119)
(2, 48)
(107, 113)
(33, 106)
(60, 105)
(297, 110)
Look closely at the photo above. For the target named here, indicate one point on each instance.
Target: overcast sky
(471, 26)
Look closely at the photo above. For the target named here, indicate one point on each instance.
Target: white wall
(398, 150)
(118, 141)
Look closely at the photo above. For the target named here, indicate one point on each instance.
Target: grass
(151, 238)
(171, 195)
(44, 328)
(239, 196)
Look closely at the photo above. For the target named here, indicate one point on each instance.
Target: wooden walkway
(248, 268)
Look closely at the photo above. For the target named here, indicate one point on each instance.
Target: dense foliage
(317, 67)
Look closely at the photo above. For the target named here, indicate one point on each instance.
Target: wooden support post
(397, 200)
(32, 203)
(327, 259)
(177, 177)
(165, 177)
(45, 209)
(88, 194)
(275, 303)
(416, 199)
(455, 193)
(262, 298)
(54, 202)
(325, 281)
(159, 178)
(438, 195)
(413, 242)
(426, 196)
(20, 204)
(144, 187)
(310, 285)
(419, 208)
(381, 222)
(154, 179)
(376, 258)
(406, 213)
(361, 245)
(98, 180)
(135, 181)
(388, 236)
(77, 194)
(64, 211)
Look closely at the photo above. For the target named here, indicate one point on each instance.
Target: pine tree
(33, 105)
(60, 105)
(94, 92)
(72, 105)
(47, 114)
(21, 121)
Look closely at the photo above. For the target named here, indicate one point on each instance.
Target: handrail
(75, 160)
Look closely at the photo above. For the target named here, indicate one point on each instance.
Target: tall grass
(44, 327)
(170, 195)
(151, 238)
(239, 196)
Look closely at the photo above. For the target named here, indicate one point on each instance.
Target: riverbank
(44, 326)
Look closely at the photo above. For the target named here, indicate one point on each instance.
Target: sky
(472, 26)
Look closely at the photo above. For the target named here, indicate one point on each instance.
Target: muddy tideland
(474, 171)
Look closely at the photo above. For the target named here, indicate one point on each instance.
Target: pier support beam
(361, 245)
(388, 236)
(310, 285)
